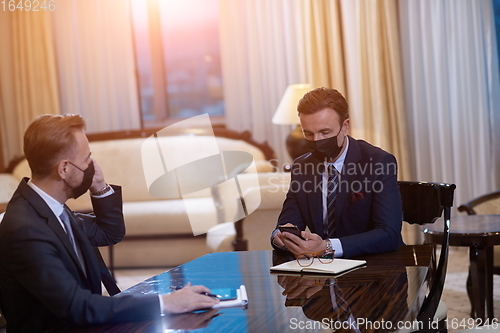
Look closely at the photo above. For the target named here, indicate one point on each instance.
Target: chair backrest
(2, 317)
(424, 203)
(485, 204)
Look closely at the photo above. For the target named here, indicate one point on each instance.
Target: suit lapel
(315, 196)
(347, 176)
(44, 211)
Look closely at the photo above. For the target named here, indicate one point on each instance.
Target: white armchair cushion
(8, 185)
(164, 216)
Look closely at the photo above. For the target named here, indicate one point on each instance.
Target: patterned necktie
(333, 182)
(342, 309)
(69, 231)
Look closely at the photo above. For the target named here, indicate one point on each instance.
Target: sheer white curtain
(452, 93)
(260, 57)
(349, 45)
(95, 59)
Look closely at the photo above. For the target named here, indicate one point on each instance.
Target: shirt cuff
(337, 246)
(107, 194)
(162, 306)
(272, 240)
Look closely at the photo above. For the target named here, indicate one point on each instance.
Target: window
(178, 59)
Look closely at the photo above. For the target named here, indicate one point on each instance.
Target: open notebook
(337, 266)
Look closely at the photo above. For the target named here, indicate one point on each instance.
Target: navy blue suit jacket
(41, 280)
(368, 211)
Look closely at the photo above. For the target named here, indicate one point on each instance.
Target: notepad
(241, 299)
(337, 266)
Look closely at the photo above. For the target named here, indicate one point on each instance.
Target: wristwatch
(328, 245)
(105, 190)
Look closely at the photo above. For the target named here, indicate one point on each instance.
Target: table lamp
(286, 114)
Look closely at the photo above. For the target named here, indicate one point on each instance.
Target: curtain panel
(452, 93)
(96, 66)
(77, 59)
(267, 45)
(375, 81)
(28, 77)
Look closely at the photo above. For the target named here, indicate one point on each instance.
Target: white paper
(241, 299)
(337, 266)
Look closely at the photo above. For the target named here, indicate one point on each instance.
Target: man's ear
(346, 126)
(62, 169)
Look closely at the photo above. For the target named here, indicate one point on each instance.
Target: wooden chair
(424, 203)
(483, 205)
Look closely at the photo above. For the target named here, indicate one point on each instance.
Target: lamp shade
(286, 113)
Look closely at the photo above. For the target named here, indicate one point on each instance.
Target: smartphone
(294, 230)
(225, 294)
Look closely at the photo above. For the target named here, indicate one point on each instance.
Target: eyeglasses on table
(306, 259)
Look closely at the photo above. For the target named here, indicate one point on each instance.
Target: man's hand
(277, 240)
(98, 182)
(188, 299)
(313, 243)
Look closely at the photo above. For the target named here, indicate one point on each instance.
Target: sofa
(158, 229)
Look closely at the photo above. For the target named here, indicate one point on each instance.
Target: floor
(454, 294)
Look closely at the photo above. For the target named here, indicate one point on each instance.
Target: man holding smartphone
(344, 191)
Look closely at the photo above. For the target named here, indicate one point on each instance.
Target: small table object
(480, 233)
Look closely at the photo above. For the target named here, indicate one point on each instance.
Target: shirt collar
(54, 205)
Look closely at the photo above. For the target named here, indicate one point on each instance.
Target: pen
(203, 293)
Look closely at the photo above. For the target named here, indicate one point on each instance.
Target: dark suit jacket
(41, 280)
(368, 211)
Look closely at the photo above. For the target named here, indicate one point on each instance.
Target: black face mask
(88, 176)
(326, 149)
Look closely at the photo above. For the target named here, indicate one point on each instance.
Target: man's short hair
(49, 138)
(324, 98)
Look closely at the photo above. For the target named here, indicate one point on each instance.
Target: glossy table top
(389, 289)
(467, 230)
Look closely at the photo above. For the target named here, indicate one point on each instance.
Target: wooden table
(390, 289)
(480, 233)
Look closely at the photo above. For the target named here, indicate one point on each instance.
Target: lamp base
(296, 145)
